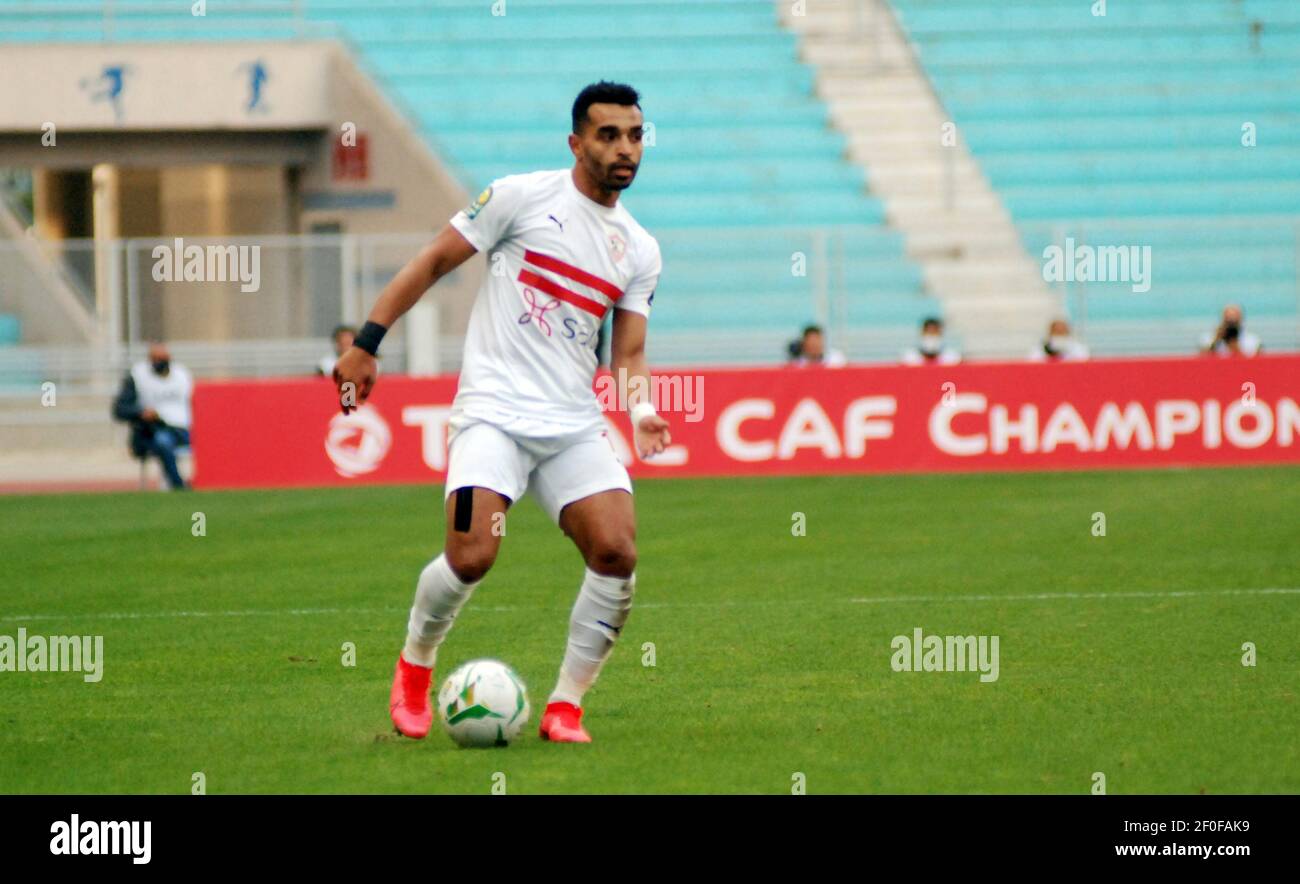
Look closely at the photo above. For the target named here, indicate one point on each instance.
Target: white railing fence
(265, 306)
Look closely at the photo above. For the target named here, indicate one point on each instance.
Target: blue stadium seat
(11, 330)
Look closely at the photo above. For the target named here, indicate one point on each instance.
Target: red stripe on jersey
(595, 308)
(577, 274)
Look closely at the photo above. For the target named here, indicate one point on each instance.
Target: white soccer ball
(483, 703)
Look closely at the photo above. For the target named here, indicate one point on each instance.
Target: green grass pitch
(1119, 654)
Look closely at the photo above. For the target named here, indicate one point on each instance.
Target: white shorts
(556, 471)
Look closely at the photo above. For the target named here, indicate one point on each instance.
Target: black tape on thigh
(464, 508)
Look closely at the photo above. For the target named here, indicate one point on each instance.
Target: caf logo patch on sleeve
(475, 207)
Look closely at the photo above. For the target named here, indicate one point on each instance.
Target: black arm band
(369, 337)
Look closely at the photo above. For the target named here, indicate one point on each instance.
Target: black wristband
(369, 337)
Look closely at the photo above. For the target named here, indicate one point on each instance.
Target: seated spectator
(343, 337)
(155, 400)
(1230, 339)
(811, 350)
(930, 350)
(1060, 345)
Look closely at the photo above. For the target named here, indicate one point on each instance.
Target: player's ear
(575, 145)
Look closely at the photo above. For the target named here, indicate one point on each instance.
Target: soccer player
(563, 252)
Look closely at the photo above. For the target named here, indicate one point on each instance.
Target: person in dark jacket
(155, 401)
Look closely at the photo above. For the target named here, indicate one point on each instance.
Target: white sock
(439, 595)
(598, 616)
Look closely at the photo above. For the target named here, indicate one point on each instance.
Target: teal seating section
(1128, 129)
(742, 155)
(11, 330)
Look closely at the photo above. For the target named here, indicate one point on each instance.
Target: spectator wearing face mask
(1060, 345)
(930, 350)
(1230, 338)
(155, 401)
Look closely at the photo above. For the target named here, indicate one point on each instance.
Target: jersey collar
(586, 200)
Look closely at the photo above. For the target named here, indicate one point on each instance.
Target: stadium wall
(230, 139)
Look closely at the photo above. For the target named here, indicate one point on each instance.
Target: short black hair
(809, 329)
(340, 329)
(603, 92)
(932, 320)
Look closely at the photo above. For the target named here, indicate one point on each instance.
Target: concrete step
(29, 402)
(980, 228)
(65, 431)
(915, 174)
(900, 138)
(812, 8)
(962, 188)
(954, 224)
(878, 85)
(908, 209)
(884, 150)
(917, 125)
(836, 23)
(911, 216)
(963, 278)
(933, 162)
(862, 108)
(839, 56)
(108, 468)
(927, 247)
(74, 421)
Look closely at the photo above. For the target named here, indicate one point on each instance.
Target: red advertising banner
(789, 421)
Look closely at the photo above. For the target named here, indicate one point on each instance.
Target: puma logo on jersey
(558, 222)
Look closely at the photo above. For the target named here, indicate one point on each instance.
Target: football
(483, 703)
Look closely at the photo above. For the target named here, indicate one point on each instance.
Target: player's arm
(448, 251)
(627, 360)
(356, 369)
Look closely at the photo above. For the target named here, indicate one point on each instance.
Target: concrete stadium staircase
(954, 224)
(38, 292)
(1168, 126)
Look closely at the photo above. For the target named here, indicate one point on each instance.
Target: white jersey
(1070, 351)
(557, 263)
(169, 396)
(1247, 345)
(917, 356)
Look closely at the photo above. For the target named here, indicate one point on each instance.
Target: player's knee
(613, 555)
(471, 563)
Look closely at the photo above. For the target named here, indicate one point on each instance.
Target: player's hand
(148, 415)
(652, 436)
(354, 375)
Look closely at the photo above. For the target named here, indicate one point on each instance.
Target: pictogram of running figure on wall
(108, 86)
(257, 75)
